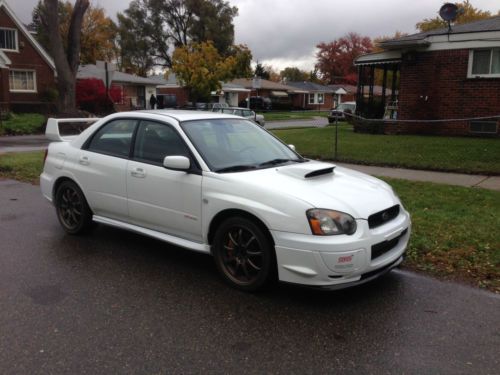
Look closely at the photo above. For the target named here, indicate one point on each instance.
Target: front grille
(383, 217)
(381, 248)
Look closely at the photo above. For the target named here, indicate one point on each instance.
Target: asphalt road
(119, 303)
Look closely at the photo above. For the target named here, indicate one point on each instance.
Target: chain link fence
(470, 145)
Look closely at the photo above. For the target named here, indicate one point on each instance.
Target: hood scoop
(304, 171)
(319, 172)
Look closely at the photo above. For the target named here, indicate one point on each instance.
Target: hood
(324, 185)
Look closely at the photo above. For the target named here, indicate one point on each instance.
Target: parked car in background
(244, 112)
(339, 113)
(214, 107)
(257, 103)
(221, 185)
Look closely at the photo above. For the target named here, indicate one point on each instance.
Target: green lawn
(455, 231)
(25, 123)
(457, 154)
(305, 115)
(23, 166)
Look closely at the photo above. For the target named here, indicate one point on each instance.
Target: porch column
(394, 79)
(372, 82)
(360, 89)
(384, 85)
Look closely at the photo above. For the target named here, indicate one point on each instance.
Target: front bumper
(367, 277)
(336, 262)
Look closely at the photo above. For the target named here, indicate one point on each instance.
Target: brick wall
(27, 58)
(4, 86)
(180, 93)
(434, 85)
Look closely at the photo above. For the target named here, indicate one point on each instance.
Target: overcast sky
(285, 32)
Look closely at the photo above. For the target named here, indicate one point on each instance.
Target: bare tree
(66, 62)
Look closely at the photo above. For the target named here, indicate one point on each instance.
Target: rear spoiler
(52, 130)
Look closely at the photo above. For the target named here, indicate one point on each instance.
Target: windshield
(231, 145)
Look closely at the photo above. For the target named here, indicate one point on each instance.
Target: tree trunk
(66, 61)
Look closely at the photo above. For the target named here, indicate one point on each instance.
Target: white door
(101, 167)
(158, 198)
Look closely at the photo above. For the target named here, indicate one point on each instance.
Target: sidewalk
(22, 143)
(39, 142)
(458, 179)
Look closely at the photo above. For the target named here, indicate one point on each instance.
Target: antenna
(449, 13)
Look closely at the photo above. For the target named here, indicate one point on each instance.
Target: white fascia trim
(4, 59)
(168, 86)
(490, 39)
(235, 90)
(28, 35)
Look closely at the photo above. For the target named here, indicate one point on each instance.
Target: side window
(154, 141)
(114, 138)
(248, 114)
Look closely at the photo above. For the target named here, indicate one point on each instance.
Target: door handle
(84, 160)
(138, 172)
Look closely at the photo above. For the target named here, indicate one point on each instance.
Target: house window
(311, 98)
(321, 99)
(483, 127)
(484, 63)
(22, 80)
(8, 39)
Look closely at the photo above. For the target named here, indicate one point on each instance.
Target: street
(113, 302)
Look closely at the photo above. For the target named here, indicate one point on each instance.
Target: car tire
(244, 254)
(72, 208)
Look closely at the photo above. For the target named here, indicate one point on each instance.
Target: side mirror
(292, 147)
(177, 163)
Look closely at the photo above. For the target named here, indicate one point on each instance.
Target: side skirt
(190, 245)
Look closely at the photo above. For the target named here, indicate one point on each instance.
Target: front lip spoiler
(369, 276)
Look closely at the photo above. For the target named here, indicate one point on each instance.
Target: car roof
(184, 115)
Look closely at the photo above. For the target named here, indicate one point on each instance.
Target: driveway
(117, 302)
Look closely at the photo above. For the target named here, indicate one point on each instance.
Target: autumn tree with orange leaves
(335, 60)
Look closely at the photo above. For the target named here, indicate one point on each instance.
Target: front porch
(380, 70)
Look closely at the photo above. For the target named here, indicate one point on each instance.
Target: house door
(141, 97)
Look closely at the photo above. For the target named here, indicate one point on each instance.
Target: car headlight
(329, 222)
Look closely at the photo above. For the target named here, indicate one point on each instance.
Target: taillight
(45, 156)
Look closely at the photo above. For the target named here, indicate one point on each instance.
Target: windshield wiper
(236, 168)
(279, 161)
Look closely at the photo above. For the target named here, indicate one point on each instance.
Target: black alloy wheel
(72, 209)
(244, 254)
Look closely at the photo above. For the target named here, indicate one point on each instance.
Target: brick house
(444, 75)
(26, 69)
(173, 94)
(310, 95)
(277, 92)
(136, 91)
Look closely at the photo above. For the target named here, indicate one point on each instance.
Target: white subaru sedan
(222, 185)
